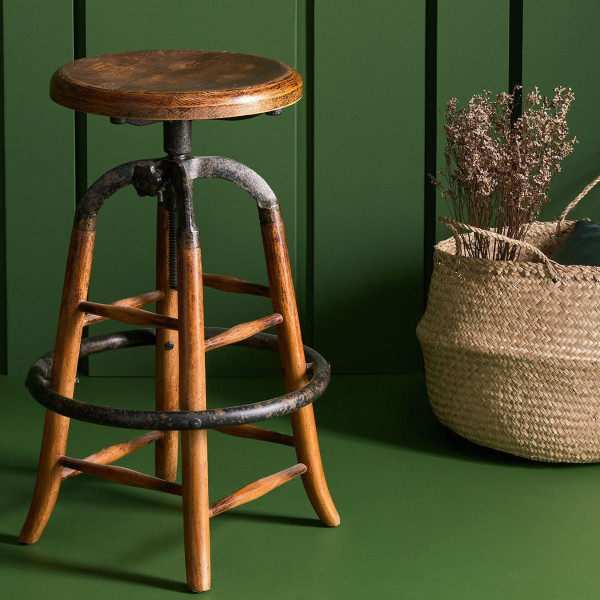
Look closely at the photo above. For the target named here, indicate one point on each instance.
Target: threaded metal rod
(177, 136)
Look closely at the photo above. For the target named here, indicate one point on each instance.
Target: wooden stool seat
(176, 85)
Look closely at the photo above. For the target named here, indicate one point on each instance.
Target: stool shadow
(271, 519)
(19, 465)
(9, 539)
(69, 568)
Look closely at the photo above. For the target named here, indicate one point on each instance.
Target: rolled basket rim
(583, 272)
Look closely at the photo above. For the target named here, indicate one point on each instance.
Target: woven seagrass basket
(512, 348)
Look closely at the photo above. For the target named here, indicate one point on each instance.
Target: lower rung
(128, 314)
(249, 492)
(242, 331)
(132, 302)
(121, 475)
(116, 451)
(256, 489)
(257, 433)
(235, 285)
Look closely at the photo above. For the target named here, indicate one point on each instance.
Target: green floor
(424, 514)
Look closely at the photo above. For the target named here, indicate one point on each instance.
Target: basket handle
(455, 225)
(574, 203)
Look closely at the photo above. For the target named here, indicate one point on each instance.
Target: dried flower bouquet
(498, 168)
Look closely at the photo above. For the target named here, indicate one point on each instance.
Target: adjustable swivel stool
(176, 87)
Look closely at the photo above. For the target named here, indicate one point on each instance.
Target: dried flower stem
(497, 175)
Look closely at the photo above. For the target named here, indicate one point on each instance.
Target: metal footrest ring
(39, 386)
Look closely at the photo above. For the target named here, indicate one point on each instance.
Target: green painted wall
(347, 163)
(560, 47)
(368, 154)
(469, 62)
(39, 175)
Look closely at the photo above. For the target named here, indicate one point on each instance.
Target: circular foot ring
(38, 384)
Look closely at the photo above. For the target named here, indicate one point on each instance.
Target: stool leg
(167, 352)
(294, 363)
(66, 355)
(192, 386)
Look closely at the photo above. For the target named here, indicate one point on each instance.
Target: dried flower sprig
(498, 169)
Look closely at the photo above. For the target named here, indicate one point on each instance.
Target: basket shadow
(394, 409)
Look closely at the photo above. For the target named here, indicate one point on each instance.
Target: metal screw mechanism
(147, 180)
(177, 138)
(169, 346)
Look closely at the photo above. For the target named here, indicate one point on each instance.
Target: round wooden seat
(176, 85)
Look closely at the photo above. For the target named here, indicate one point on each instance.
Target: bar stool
(176, 87)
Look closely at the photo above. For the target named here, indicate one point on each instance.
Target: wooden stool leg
(167, 353)
(294, 364)
(64, 371)
(192, 386)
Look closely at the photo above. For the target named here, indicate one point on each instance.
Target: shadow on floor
(9, 539)
(242, 515)
(35, 561)
(395, 410)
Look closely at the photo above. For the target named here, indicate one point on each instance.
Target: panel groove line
(431, 123)
(473, 55)
(515, 53)
(81, 179)
(3, 348)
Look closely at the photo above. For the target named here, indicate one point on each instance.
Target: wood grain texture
(132, 302)
(167, 353)
(176, 84)
(256, 489)
(294, 366)
(257, 433)
(116, 451)
(121, 475)
(127, 314)
(242, 331)
(234, 285)
(192, 391)
(66, 355)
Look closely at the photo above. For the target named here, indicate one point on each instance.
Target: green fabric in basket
(581, 246)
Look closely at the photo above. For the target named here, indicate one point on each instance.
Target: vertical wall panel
(472, 57)
(226, 215)
(560, 47)
(303, 175)
(38, 38)
(3, 349)
(369, 98)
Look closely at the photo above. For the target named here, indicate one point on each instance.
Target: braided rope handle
(574, 203)
(455, 225)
